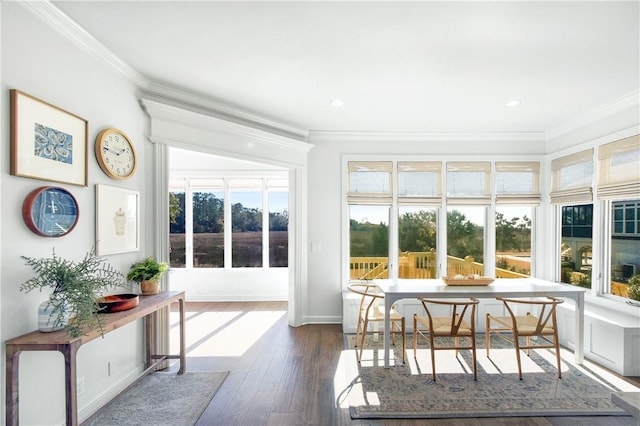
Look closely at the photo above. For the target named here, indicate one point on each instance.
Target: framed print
(117, 220)
(47, 142)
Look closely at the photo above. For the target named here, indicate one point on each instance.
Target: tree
(464, 238)
(176, 213)
(174, 207)
(380, 240)
(417, 231)
(208, 213)
(279, 221)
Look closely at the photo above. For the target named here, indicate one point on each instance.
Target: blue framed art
(47, 143)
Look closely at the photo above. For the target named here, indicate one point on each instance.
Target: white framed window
(220, 222)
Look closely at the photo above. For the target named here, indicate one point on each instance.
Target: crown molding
(58, 20)
(172, 113)
(623, 103)
(195, 102)
(519, 137)
(62, 23)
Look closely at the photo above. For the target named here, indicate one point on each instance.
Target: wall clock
(50, 211)
(115, 154)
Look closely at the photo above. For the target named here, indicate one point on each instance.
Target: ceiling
(417, 66)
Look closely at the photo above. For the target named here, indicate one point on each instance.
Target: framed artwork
(117, 220)
(47, 142)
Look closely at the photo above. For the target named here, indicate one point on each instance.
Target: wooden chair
(460, 323)
(371, 311)
(514, 326)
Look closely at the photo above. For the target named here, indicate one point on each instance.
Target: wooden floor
(281, 375)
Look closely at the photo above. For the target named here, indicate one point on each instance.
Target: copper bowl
(118, 302)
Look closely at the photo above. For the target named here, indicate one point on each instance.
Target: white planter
(47, 318)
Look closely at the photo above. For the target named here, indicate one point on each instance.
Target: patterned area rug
(408, 390)
(161, 399)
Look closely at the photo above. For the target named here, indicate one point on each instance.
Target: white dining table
(396, 289)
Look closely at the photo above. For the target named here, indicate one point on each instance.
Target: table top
(501, 287)
(110, 321)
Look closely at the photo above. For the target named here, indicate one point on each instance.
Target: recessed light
(336, 103)
(513, 103)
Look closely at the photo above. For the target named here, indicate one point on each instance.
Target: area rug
(161, 399)
(408, 390)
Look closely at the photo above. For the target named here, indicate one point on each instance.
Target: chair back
(459, 310)
(546, 319)
(370, 296)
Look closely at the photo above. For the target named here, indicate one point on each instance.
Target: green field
(208, 249)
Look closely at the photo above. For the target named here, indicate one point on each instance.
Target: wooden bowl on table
(118, 302)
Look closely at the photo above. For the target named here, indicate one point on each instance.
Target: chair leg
(487, 335)
(557, 346)
(415, 335)
(358, 329)
(433, 355)
(473, 352)
(364, 334)
(516, 344)
(404, 344)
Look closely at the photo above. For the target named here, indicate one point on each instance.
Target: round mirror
(50, 211)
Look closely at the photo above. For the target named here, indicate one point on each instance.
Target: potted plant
(147, 272)
(77, 287)
(633, 287)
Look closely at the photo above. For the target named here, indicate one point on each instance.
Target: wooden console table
(68, 346)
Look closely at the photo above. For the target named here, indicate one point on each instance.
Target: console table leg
(69, 352)
(183, 358)
(11, 388)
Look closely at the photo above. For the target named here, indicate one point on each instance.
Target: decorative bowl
(118, 302)
(467, 281)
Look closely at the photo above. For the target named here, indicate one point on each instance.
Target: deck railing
(417, 265)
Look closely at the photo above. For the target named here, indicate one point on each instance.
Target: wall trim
(69, 28)
(210, 106)
(199, 119)
(330, 136)
(623, 103)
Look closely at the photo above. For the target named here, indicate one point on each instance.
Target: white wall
(39, 61)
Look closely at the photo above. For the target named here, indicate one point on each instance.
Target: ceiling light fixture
(337, 103)
(513, 103)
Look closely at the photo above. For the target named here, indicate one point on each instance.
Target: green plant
(633, 287)
(148, 269)
(76, 286)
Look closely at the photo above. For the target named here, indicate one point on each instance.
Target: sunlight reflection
(375, 357)
(346, 380)
(446, 362)
(224, 333)
(503, 361)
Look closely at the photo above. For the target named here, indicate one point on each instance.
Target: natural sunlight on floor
(348, 386)
(225, 333)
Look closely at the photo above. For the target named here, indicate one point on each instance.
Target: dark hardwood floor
(281, 375)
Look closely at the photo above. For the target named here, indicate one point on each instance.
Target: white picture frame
(117, 220)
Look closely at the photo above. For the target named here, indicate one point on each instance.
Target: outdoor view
(246, 229)
(417, 238)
